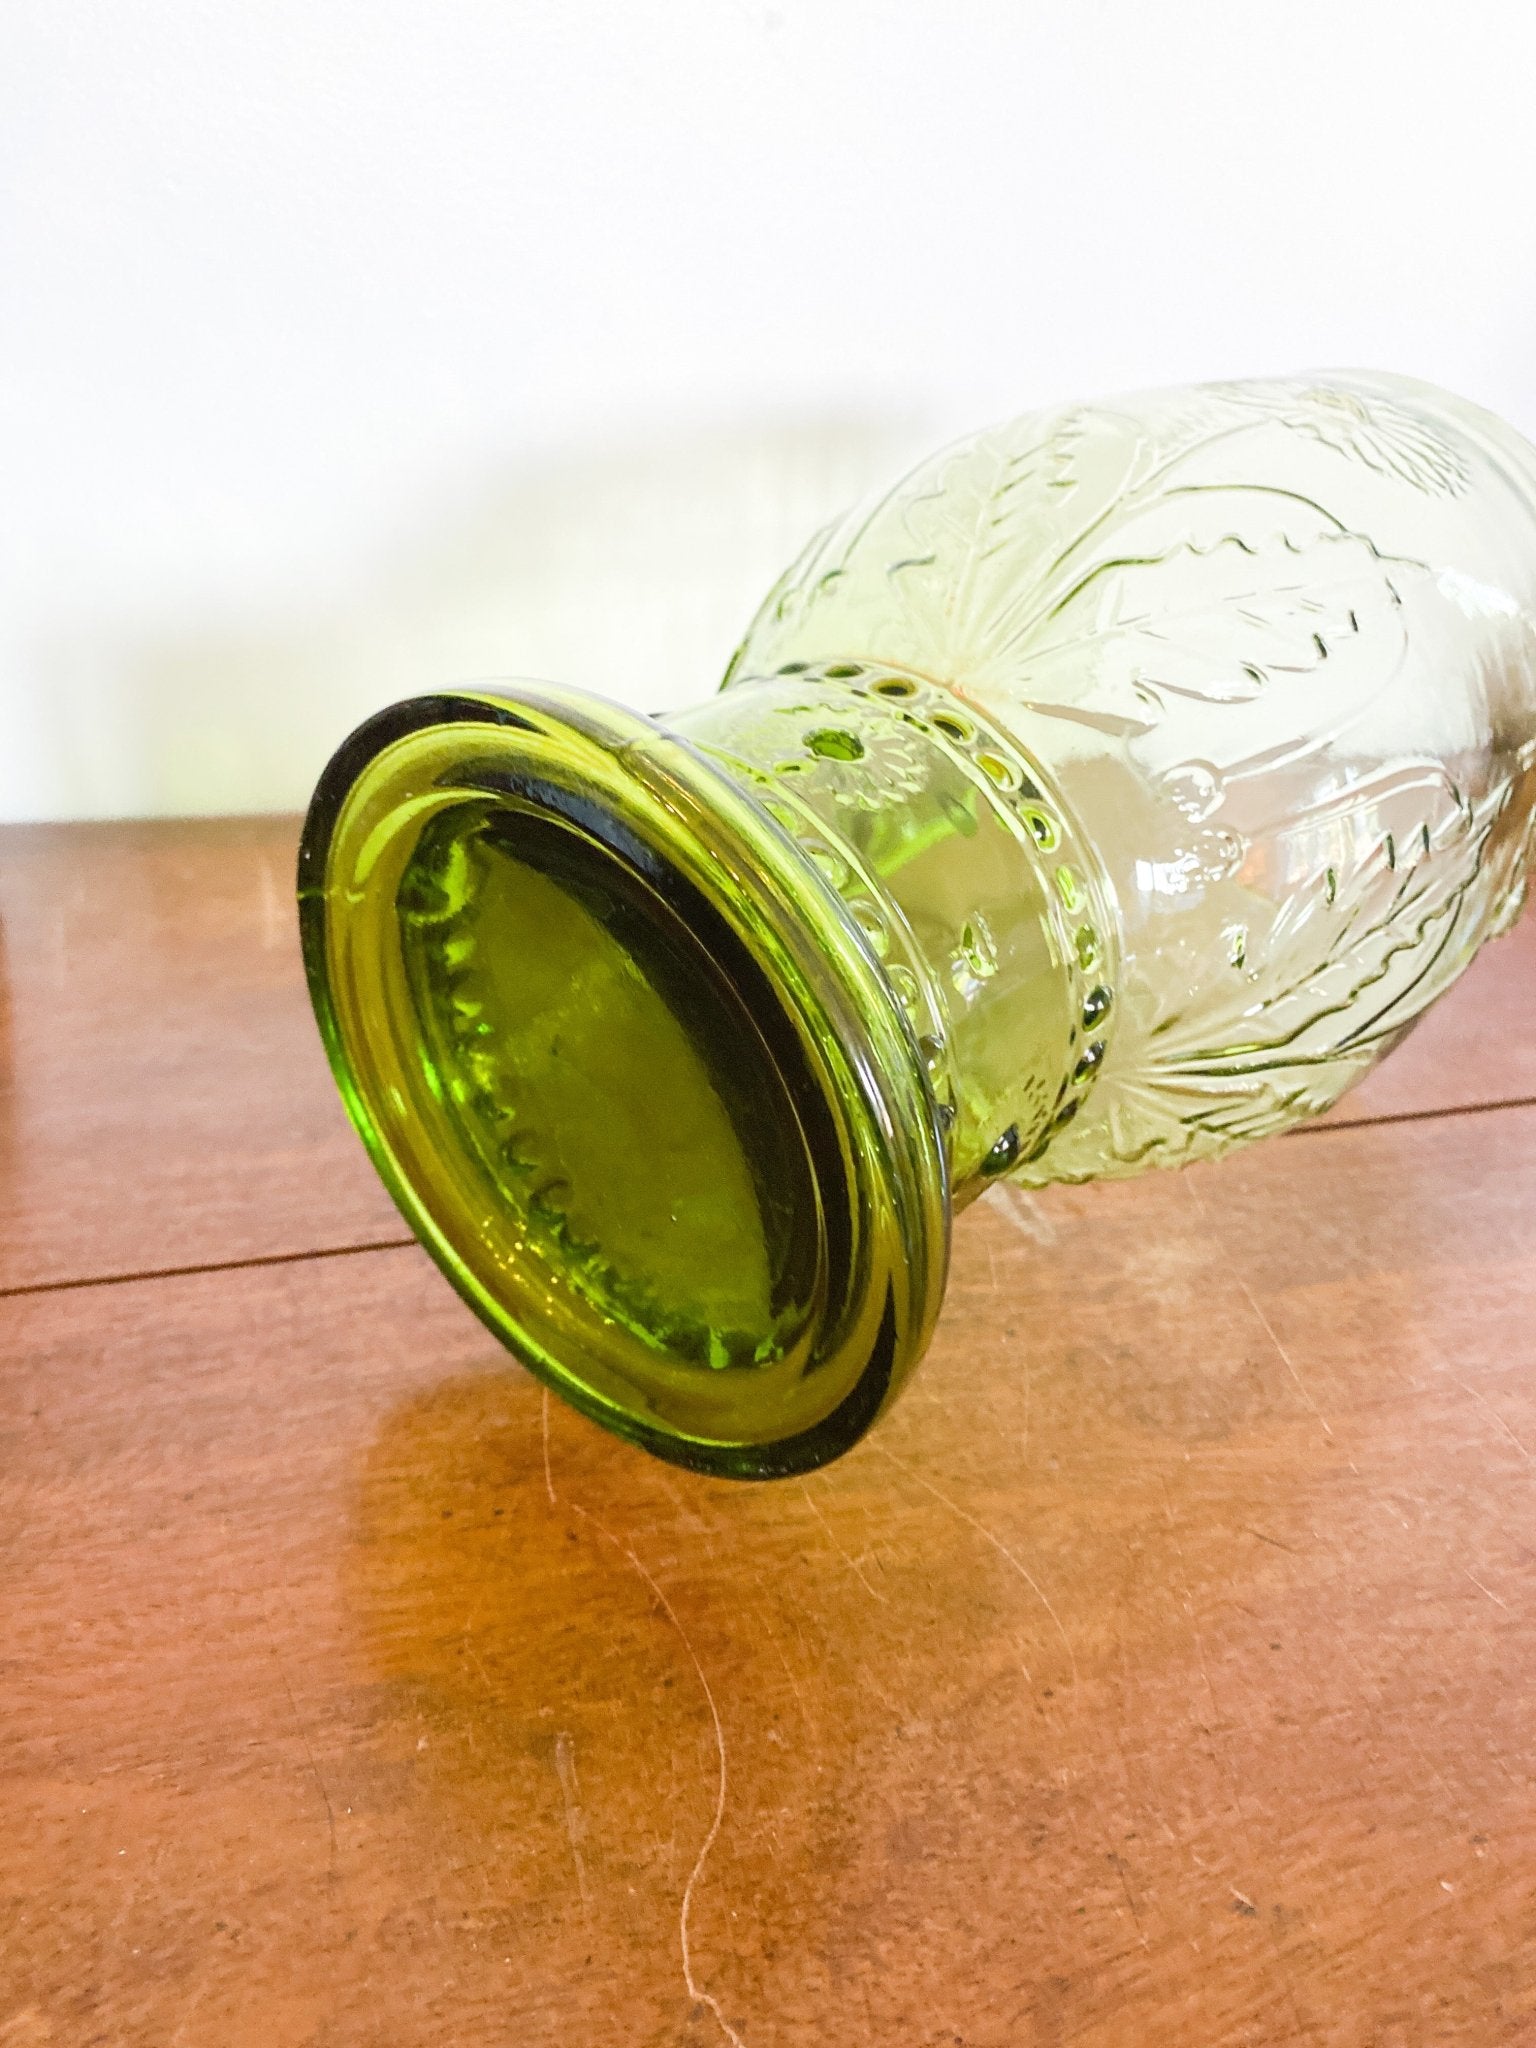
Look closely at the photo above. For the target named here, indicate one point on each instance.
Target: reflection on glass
(1117, 788)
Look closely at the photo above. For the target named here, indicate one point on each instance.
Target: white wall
(349, 347)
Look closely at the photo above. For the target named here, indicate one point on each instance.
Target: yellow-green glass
(629, 1071)
(1116, 788)
(612, 1087)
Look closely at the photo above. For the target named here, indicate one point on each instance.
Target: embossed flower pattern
(1385, 437)
(865, 759)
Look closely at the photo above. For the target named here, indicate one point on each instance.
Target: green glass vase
(1117, 788)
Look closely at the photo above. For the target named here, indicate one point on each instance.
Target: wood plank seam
(391, 1244)
(328, 1251)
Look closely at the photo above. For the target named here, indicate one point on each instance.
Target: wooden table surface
(1160, 1672)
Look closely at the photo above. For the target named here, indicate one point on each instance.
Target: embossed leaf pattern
(968, 550)
(988, 514)
(990, 537)
(1372, 922)
(1360, 881)
(997, 560)
(1018, 520)
(912, 576)
(1168, 597)
(1215, 622)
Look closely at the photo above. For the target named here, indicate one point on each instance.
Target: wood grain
(163, 1097)
(1161, 1673)
(1476, 1046)
(164, 1102)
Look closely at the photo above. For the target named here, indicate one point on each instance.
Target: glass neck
(967, 877)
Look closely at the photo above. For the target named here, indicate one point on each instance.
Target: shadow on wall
(632, 570)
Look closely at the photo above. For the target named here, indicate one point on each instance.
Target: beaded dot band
(1012, 785)
(889, 937)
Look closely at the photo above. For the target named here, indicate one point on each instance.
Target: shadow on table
(926, 1701)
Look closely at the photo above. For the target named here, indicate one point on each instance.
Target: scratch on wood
(1221, 1761)
(761, 1609)
(848, 1559)
(1487, 1590)
(1123, 1873)
(298, 1719)
(694, 1989)
(549, 1483)
(575, 1823)
(1486, 1404)
(1286, 1360)
(1022, 1211)
(1028, 1378)
(303, 1734)
(999, 1546)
